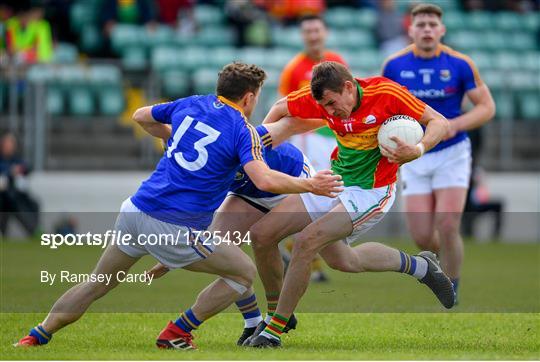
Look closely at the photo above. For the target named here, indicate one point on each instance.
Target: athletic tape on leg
(239, 288)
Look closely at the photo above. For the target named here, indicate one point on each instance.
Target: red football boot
(174, 337)
(28, 341)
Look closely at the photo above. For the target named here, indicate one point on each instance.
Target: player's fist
(403, 152)
(326, 183)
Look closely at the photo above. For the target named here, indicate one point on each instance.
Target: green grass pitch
(354, 317)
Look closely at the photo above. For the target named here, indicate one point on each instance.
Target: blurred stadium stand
(74, 112)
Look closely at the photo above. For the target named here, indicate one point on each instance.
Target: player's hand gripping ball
(399, 138)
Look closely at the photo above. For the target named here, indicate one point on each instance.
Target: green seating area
(78, 90)
(503, 45)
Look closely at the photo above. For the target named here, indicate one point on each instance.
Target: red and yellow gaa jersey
(358, 159)
(297, 73)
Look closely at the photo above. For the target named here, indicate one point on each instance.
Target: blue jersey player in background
(435, 185)
(208, 139)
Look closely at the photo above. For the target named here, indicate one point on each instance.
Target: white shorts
(174, 254)
(266, 204)
(365, 207)
(449, 167)
(316, 147)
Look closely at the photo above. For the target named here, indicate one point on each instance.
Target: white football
(403, 127)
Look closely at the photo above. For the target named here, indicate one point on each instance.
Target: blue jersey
(441, 81)
(210, 139)
(285, 158)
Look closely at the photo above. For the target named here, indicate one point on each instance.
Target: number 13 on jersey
(199, 146)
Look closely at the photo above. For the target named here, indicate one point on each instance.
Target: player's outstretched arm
(286, 127)
(324, 183)
(482, 112)
(281, 125)
(278, 111)
(143, 116)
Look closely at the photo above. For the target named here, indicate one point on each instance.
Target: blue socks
(41, 334)
(187, 321)
(250, 311)
(413, 265)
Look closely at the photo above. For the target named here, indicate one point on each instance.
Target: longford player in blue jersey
(246, 204)
(208, 138)
(285, 158)
(435, 185)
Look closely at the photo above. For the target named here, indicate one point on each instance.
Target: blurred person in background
(15, 201)
(297, 74)
(242, 15)
(435, 186)
(316, 145)
(479, 201)
(29, 37)
(389, 28)
(113, 12)
(290, 11)
(177, 14)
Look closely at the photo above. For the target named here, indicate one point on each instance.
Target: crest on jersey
(370, 119)
(445, 75)
(218, 104)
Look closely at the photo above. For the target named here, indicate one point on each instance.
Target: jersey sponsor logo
(426, 75)
(407, 74)
(370, 119)
(445, 75)
(428, 93)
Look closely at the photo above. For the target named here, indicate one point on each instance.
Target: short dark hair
(312, 17)
(329, 76)
(427, 9)
(236, 79)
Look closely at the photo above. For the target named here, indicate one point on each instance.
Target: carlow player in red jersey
(318, 144)
(354, 109)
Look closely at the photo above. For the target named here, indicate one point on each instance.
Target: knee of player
(304, 247)
(245, 272)
(448, 225)
(240, 283)
(261, 237)
(250, 273)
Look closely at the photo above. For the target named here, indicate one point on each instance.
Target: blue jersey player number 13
(209, 138)
(199, 146)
